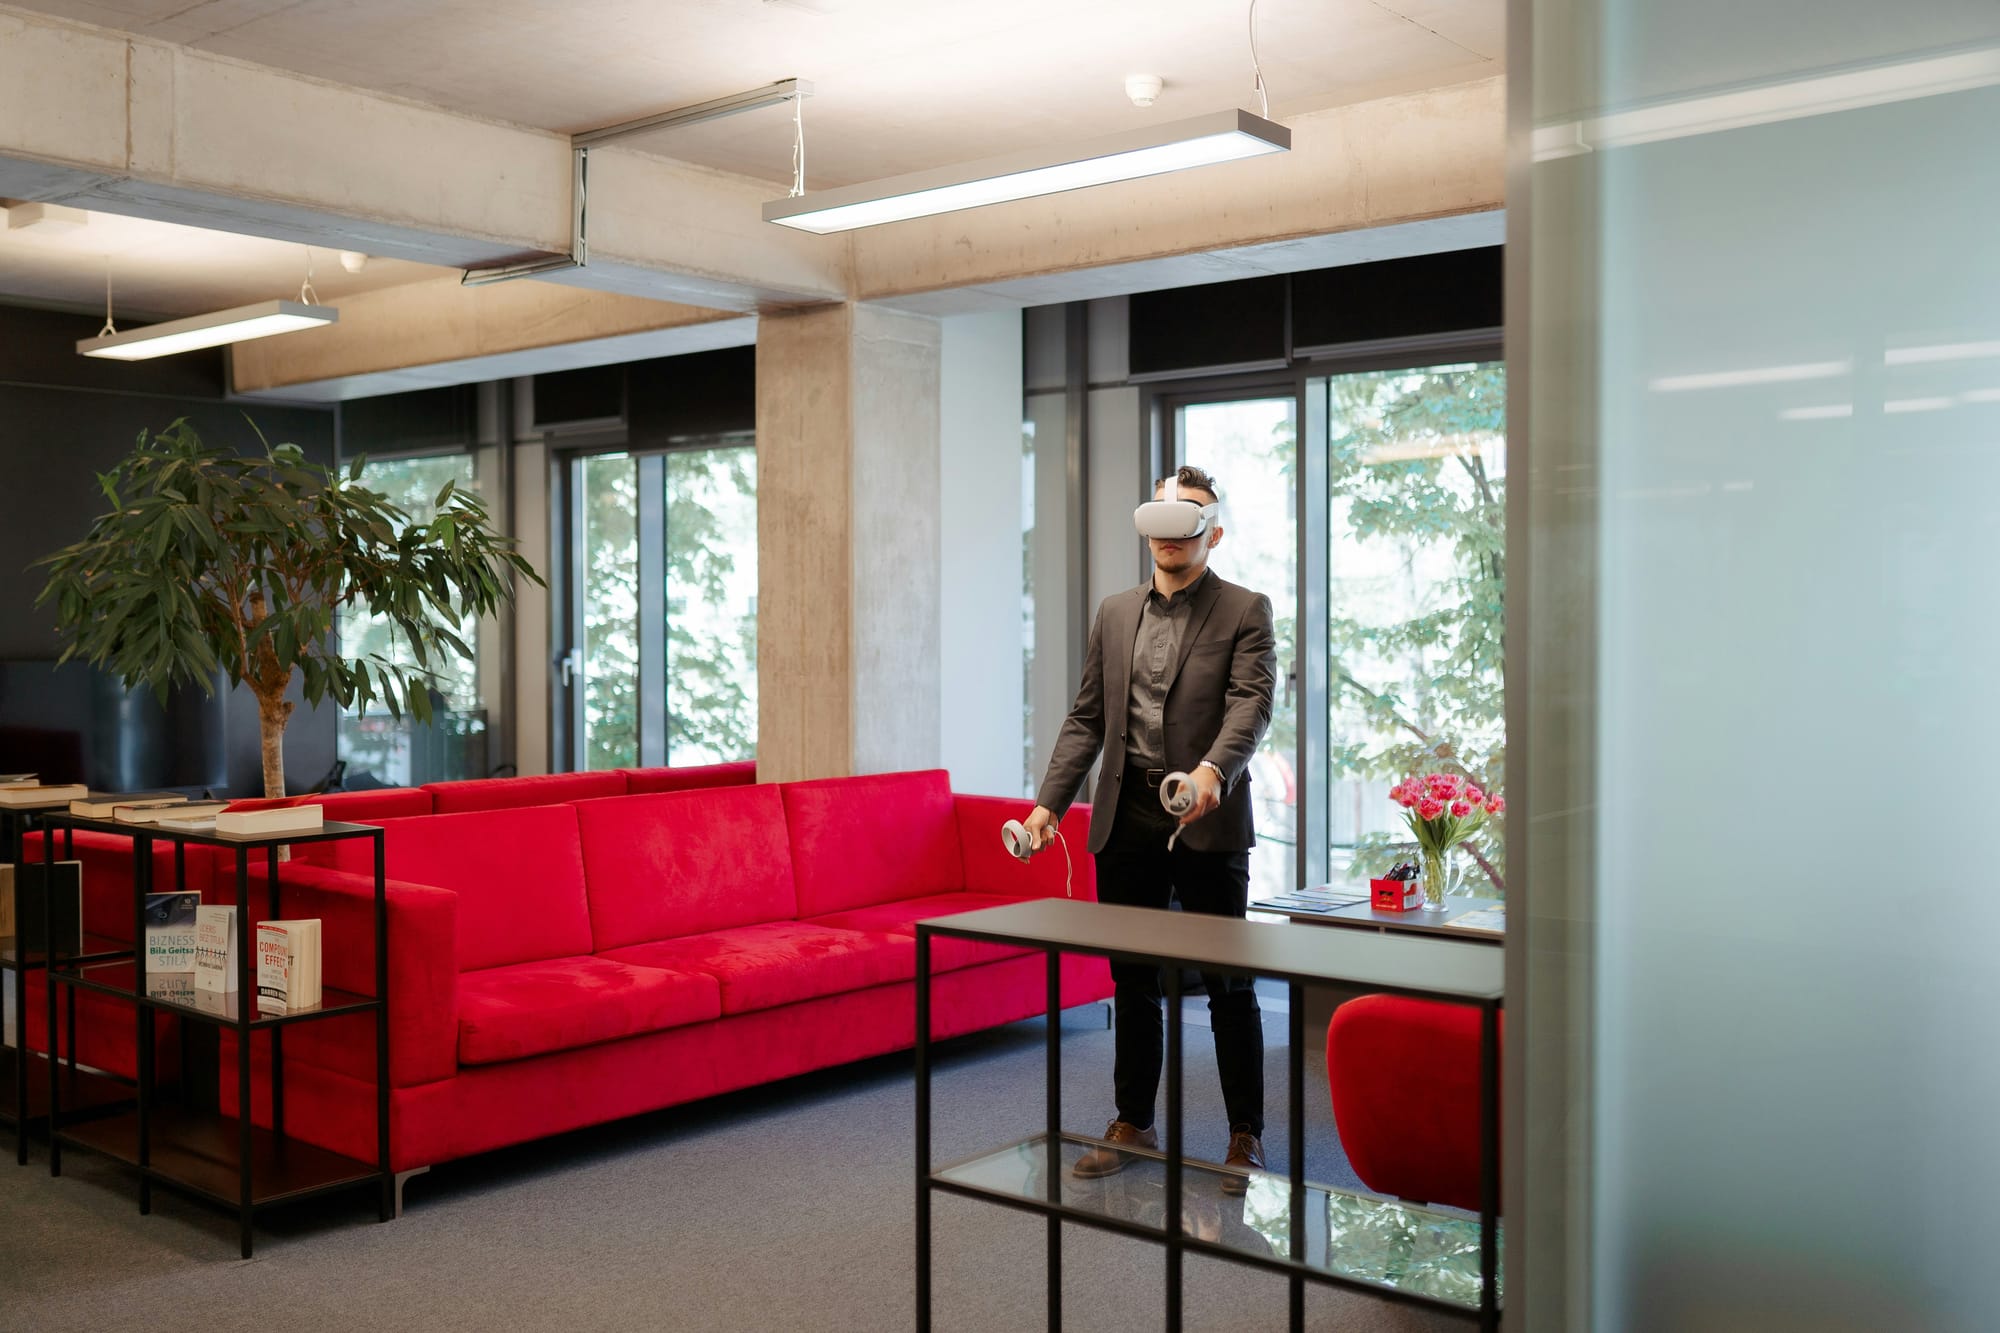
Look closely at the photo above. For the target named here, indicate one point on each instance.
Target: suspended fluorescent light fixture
(224, 326)
(1220, 136)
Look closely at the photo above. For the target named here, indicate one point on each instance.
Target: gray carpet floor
(783, 1207)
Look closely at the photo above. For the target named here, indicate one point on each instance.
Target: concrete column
(847, 538)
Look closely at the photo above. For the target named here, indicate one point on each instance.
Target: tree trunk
(272, 714)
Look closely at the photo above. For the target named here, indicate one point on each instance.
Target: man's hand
(1041, 826)
(1207, 784)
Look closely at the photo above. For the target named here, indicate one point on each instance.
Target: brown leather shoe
(1109, 1161)
(1246, 1154)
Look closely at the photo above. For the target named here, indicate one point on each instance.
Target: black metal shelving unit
(198, 1150)
(25, 1074)
(1312, 1233)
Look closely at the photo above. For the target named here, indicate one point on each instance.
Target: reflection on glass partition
(711, 564)
(1417, 474)
(608, 589)
(399, 751)
(1249, 446)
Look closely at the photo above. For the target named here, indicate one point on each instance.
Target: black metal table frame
(19, 822)
(248, 1019)
(1173, 1236)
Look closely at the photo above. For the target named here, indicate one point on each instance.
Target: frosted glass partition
(1777, 231)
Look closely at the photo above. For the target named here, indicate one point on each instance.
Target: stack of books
(263, 823)
(181, 813)
(287, 966)
(24, 790)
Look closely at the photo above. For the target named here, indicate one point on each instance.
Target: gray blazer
(1218, 707)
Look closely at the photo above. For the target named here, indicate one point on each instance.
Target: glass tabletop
(1401, 1246)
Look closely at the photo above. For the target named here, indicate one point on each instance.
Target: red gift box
(1396, 895)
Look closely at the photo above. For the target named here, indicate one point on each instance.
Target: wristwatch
(1220, 775)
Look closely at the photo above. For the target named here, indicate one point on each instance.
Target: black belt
(1153, 776)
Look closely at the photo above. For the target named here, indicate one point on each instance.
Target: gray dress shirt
(1162, 624)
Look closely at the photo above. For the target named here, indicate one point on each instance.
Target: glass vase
(1440, 877)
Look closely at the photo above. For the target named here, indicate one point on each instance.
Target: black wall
(63, 419)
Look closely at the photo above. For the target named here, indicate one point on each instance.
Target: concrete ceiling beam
(98, 119)
(431, 333)
(1420, 158)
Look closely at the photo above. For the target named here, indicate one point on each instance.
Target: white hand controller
(1020, 845)
(1177, 796)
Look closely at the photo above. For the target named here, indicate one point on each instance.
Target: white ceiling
(900, 85)
(163, 271)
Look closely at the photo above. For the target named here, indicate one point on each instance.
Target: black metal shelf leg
(1055, 1165)
(1174, 1142)
(1297, 1128)
(923, 1153)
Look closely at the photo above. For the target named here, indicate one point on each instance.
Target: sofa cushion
(681, 863)
(509, 1013)
(451, 798)
(518, 875)
(861, 841)
(948, 952)
(782, 962)
(352, 807)
(643, 781)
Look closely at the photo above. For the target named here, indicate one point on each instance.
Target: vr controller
(1177, 797)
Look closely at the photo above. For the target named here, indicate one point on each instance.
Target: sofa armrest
(423, 971)
(989, 868)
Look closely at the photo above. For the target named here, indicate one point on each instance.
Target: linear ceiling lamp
(224, 326)
(1220, 136)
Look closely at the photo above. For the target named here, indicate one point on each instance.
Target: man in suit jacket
(1178, 678)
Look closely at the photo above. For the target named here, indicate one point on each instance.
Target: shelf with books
(176, 993)
(202, 1152)
(224, 1155)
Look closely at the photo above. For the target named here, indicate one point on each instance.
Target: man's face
(1187, 553)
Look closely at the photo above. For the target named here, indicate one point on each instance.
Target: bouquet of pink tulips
(1443, 809)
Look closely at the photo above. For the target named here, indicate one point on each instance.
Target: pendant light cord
(109, 328)
(307, 296)
(798, 145)
(1263, 93)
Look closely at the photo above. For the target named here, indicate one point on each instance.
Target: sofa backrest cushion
(518, 875)
(640, 781)
(678, 863)
(861, 841)
(452, 798)
(353, 807)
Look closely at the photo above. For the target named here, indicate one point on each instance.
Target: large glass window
(1416, 482)
(663, 668)
(399, 751)
(711, 591)
(606, 679)
(1249, 445)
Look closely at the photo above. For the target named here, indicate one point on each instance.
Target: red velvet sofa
(105, 1036)
(557, 966)
(1404, 1077)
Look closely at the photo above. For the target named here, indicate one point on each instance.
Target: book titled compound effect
(287, 966)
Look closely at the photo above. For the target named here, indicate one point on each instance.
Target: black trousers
(1135, 869)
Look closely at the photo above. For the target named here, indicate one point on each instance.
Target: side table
(1393, 1250)
(200, 1151)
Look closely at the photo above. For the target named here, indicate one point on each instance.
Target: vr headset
(1173, 518)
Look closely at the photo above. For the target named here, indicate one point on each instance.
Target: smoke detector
(1143, 89)
(353, 260)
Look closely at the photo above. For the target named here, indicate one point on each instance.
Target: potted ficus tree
(210, 562)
